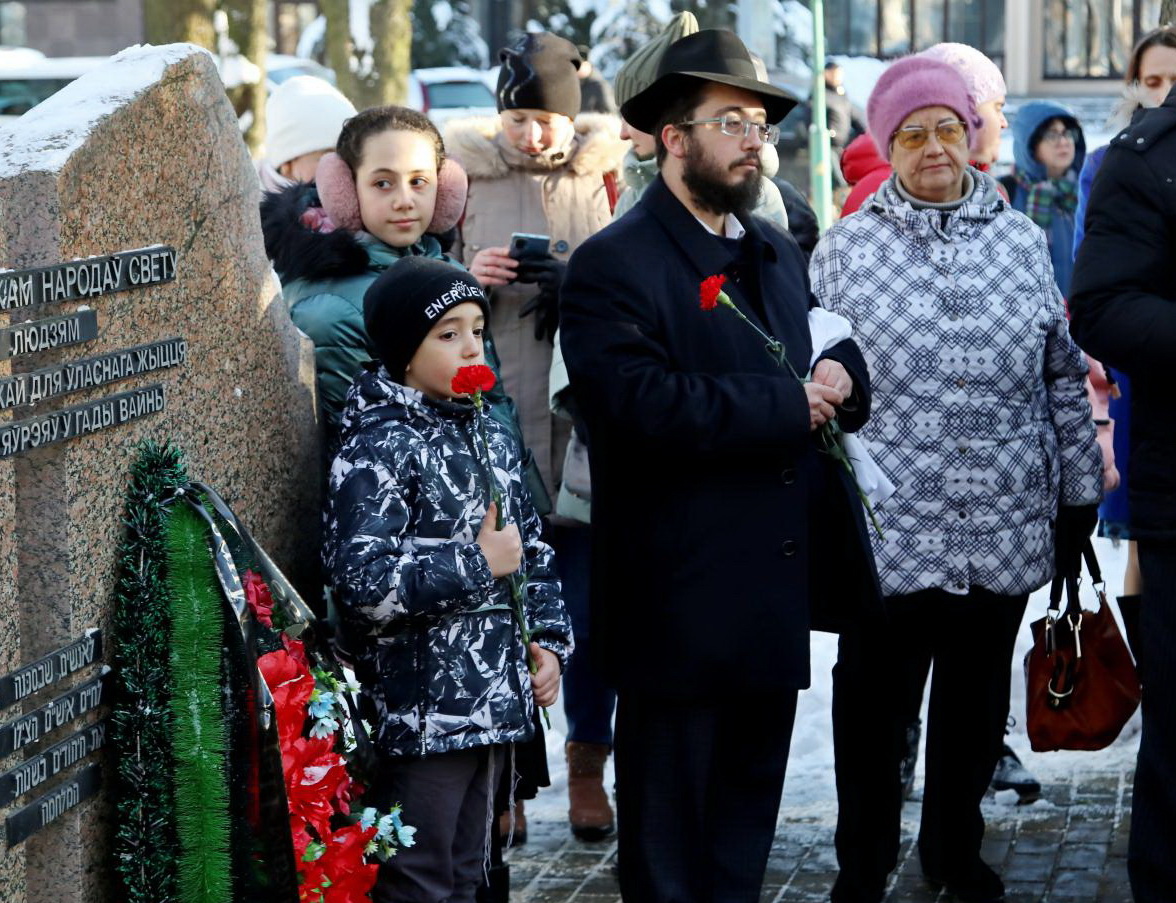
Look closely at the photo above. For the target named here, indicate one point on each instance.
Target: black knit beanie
(539, 73)
(405, 302)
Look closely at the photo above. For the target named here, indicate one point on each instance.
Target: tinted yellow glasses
(912, 137)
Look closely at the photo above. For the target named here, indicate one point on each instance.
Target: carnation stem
(830, 432)
(517, 581)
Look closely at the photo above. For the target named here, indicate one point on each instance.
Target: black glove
(548, 274)
(1075, 524)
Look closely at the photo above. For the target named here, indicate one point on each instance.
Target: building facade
(1044, 47)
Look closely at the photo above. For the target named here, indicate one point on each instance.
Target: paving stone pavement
(1069, 847)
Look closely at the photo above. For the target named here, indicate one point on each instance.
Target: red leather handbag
(1081, 686)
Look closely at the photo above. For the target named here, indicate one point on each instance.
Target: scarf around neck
(1045, 198)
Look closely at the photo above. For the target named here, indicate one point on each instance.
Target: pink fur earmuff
(336, 189)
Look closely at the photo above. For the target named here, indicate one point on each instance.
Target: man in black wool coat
(716, 521)
(1123, 311)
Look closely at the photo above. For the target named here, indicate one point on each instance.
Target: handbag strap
(1070, 582)
(1092, 562)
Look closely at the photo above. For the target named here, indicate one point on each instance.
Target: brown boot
(589, 813)
(520, 827)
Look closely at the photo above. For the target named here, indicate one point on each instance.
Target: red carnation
(475, 378)
(712, 287)
(257, 595)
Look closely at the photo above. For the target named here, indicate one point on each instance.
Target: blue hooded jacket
(1060, 234)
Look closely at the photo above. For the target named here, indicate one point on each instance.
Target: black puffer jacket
(1123, 301)
(437, 652)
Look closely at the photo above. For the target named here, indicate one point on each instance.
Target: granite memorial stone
(136, 302)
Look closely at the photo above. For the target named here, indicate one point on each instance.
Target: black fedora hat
(711, 55)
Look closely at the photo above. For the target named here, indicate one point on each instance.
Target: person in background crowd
(1049, 150)
(1123, 309)
(864, 170)
(802, 219)
(596, 95)
(417, 561)
(716, 520)
(1151, 73)
(839, 116)
(303, 118)
(540, 167)
(936, 259)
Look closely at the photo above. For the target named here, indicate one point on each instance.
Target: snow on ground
(809, 790)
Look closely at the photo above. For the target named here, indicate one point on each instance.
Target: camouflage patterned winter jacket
(436, 651)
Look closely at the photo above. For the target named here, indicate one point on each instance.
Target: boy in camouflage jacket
(415, 562)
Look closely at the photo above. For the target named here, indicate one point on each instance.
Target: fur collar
(597, 147)
(1134, 96)
(300, 252)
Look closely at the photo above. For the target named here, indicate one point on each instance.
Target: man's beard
(706, 181)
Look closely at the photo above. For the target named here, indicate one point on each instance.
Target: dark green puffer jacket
(324, 277)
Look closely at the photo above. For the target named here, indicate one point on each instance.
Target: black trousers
(698, 794)
(448, 799)
(970, 641)
(1151, 863)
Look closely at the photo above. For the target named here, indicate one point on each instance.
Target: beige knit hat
(640, 70)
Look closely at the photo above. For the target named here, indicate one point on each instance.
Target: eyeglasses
(738, 127)
(912, 137)
(1057, 137)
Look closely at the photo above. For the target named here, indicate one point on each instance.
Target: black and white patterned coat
(980, 410)
(441, 662)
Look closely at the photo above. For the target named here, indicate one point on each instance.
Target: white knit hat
(302, 115)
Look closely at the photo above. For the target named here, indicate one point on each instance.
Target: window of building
(1093, 39)
(12, 25)
(892, 28)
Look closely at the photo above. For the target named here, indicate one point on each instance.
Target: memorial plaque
(28, 729)
(42, 811)
(37, 770)
(19, 436)
(52, 332)
(91, 372)
(143, 153)
(78, 279)
(53, 667)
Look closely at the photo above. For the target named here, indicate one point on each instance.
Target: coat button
(560, 246)
(788, 548)
(960, 383)
(788, 476)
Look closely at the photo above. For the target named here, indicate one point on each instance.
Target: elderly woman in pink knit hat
(980, 418)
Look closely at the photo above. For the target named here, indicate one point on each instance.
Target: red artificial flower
(297, 650)
(344, 851)
(316, 775)
(291, 684)
(257, 595)
(302, 838)
(475, 378)
(711, 288)
(311, 879)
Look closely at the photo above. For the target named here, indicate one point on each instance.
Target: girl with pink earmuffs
(386, 193)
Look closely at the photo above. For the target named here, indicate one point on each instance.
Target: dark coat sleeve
(620, 364)
(852, 415)
(1117, 314)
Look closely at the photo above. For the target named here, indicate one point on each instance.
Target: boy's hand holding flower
(503, 548)
(505, 545)
(545, 681)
